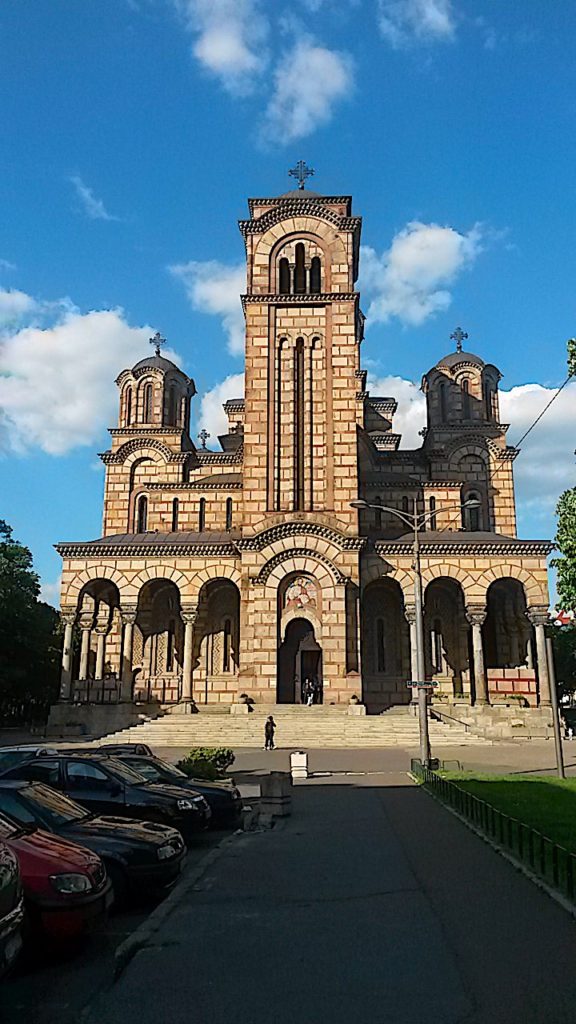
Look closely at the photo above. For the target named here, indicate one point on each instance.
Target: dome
(157, 363)
(454, 358)
(300, 193)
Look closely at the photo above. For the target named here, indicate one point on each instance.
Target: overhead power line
(544, 410)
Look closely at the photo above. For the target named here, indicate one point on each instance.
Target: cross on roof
(203, 435)
(458, 336)
(301, 172)
(157, 341)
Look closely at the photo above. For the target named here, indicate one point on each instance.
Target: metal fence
(553, 863)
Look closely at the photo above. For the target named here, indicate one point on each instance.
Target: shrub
(208, 763)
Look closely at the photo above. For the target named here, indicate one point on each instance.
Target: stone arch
(535, 590)
(325, 246)
(450, 570)
(159, 572)
(300, 560)
(109, 573)
(145, 447)
(215, 571)
(216, 651)
(300, 613)
(446, 634)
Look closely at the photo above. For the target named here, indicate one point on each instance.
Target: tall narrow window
(466, 404)
(443, 402)
(378, 514)
(228, 513)
(147, 403)
(202, 515)
(473, 516)
(300, 270)
(172, 407)
(299, 425)
(284, 276)
(142, 514)
(405, 504)
(175, 509)
(315, 277)
(437, 644)
(380, 646)
(432, 520)
(128, 407)
(170, 646)
(227, 652)
(487, 400)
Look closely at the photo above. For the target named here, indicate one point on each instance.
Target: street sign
(429, 683)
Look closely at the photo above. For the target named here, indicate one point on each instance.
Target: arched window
(466, 404)
(128, 407)
(300, 270)
(202, 515)
(175, 510)
(284, 276)
(472, 517)
(172, 406)
(170, 646)
(315, 276)
(299, 407)
(437, 645)
(432, 520)
(378, 514)
(147, 409)
(227, 652)
(142, 514)
(442, 401)
(380, 646)
(228, 513)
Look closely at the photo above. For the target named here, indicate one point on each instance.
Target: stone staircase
(297, 726)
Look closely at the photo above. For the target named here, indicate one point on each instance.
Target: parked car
(126, 748)
(11, 909)
(225, 801)
(66, 888)
(104, 785)
(11, 756)
(138, 855)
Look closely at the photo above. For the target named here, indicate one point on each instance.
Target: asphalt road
(371, 904)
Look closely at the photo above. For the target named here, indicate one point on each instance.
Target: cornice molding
(294, 207)
(151, 553)
(307, 299)
(282, 531)
(206, 458)
(495, 550)
(193, 485)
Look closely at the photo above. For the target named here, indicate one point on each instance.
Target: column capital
(476, 614)
(538, 615)
(410, 613)
(68, 616)
(188, 615)
(128, 613)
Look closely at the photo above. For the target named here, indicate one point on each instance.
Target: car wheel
(117, 876)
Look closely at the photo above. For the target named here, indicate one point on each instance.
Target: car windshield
(123, 772)
(10, 758)
(171, 769)
(154, 769)
(53, 807)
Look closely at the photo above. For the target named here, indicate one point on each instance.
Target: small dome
(300, 193)
(454, 358)
(157, 363)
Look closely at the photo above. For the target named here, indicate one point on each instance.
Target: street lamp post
(416, 521)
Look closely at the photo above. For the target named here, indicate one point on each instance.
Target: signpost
(428, 685)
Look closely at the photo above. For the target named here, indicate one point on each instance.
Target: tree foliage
(564, 641)
(566, 544)
(29, 641)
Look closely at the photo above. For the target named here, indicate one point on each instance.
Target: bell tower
(303, 332)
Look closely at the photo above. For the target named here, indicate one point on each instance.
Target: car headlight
(71, 884)
(165, 852)
(185, 805)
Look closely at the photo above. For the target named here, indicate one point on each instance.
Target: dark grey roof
(153, 539)
(300, 193)
(460, 357)
(495, 540)
(156, 362)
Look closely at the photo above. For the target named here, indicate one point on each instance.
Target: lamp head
(359, 503)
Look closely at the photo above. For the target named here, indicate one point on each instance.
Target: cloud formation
(215, 288)
(308, 81)
(92, 206)
(14, 305)
(56, 382)
(411, 280)
(212, 416)
(406, 23)
(230, 39)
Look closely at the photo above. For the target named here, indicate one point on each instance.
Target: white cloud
(406, 22)
(14, 305)
(410, 281)
(92, 206)
(215, 288)
(212, 416)
(230, 39)
(308, 81)
(411, 414)
(50, 592)
(56, 383)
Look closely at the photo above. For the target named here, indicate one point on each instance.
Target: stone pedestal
(276, 795)
(356, 709)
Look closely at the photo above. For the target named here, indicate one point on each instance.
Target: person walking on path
(269, 730)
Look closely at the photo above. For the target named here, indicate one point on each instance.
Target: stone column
(476, 615)
(86, 627)
(68, 618)
(410, 614)
(539, 618)
(128, 615)
(188, 616)
(100, 652)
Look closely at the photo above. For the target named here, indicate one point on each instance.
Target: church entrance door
(299, 658)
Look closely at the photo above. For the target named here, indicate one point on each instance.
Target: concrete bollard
(276, 794)
(299, 764)
(356, 709)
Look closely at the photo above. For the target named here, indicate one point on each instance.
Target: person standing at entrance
(269, 730)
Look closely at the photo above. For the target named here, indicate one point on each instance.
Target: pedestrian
(309, 693)
(269, 730)
(563, 727)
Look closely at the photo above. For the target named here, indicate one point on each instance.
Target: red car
(66, 888)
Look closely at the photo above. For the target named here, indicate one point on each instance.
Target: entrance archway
(299, 658)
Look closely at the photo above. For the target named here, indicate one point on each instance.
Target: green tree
(29, 641)
(566, 544)
(564, 641)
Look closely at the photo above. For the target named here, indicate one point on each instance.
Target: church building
(287, 555)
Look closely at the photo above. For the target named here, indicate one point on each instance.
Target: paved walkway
(370, 904)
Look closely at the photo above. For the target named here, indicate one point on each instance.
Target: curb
(558, 898)
(143, 935)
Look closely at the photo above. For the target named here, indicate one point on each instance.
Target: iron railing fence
(553, 863)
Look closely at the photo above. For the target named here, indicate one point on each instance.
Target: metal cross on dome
(458, 336)
(203, 435)
(157, 341)
(301, 172)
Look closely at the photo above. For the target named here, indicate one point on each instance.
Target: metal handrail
(553, 863)
(442, 714)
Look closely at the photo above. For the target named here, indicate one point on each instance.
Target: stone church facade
(247, 570)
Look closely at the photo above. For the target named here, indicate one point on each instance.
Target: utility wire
(544, 410)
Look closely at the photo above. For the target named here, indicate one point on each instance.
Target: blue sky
(134, 130)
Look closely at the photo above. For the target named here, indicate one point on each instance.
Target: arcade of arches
(248, 568)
